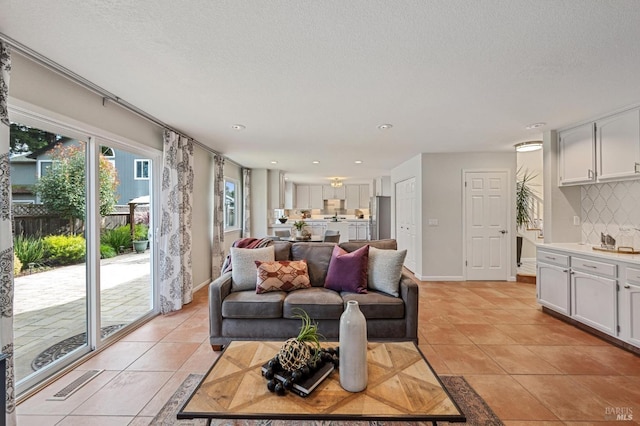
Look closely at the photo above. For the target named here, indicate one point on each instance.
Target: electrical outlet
(576, 220)
(433, 222)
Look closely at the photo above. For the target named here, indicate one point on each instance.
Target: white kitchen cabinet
(358, 231)
(357, 197)
(594, 301)
(618, 144)
(553, 289)
(630, 307)
(289, 195)
(365, 196)
(577, 163)
(315, 197)
(302, 197)
(331, 193)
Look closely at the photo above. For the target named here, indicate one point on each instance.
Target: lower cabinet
(553, 287)
(600, 292)
(594, 301)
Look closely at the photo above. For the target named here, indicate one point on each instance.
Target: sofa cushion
(348, 271)
(248, 304)
(388, 244)
(318, 256)
(319, 303)
(385, 269)
(284, 275)
(376, 305)
(244, 271)
(282, 250)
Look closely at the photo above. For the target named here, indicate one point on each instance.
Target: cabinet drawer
(556, 259)
(593, 267)
(633, 275)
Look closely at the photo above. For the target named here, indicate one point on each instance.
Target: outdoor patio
(50, 307)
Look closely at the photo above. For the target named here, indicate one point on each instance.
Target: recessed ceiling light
(274, 162)
(535, 126)
(315, 162)
(528, 146)
(358, 161)
(238, 127)
(385, 126)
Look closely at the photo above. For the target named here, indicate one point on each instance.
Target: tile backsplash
(608, 207)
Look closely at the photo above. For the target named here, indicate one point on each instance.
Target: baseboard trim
(199, 286)
(440, 278)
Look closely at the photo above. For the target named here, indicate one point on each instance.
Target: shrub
(65, 249)
(107, 252)
(17, 265)
(140, 232)
(118, 237)
(28, 250)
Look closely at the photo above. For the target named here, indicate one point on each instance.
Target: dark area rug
(472, 405)
(65, 346)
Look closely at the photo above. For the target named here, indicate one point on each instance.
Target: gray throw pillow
(385, 270)
(244, 272)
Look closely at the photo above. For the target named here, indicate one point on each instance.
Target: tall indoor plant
(524, 205)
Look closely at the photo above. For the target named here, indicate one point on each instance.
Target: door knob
(503, 231)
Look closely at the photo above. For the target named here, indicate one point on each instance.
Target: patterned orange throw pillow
(284, 275)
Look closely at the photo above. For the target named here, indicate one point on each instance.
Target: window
(141, 169)
(230, 204)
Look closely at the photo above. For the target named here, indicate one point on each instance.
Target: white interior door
(406, 220)
(486, 219)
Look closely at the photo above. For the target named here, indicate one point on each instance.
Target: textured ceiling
(312, 80)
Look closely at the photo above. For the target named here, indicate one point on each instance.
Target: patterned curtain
(6, 237)
(246, 204)
(176, 278)
(217, 252)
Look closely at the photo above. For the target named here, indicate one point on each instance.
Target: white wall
(561, 204)
(442, 196)
(259, 199)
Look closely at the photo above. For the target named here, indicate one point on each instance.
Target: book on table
(308, 384)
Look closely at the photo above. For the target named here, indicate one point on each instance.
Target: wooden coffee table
(402, 386)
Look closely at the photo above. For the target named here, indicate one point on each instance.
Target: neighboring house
(133, 173)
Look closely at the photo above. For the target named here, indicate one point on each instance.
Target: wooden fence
(33, 220)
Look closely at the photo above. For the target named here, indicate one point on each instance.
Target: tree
(63, 190)
(24, 139)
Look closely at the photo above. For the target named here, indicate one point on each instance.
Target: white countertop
(587, 250)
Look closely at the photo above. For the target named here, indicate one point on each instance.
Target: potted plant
(283, 219)
(299, 225)
(524, 200)
(140, 237)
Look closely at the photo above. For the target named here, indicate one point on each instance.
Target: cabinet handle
(572, 272)
(566, 270)
(627, 286)
(551, 258)
(590, 266)
(590, 174)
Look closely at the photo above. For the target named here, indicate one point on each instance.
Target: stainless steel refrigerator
(380, 217)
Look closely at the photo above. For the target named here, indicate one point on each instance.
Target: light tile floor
(531, 369)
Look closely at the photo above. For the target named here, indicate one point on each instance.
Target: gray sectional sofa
(246, 315)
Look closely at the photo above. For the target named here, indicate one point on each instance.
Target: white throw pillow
(385, 270)
(244, 272)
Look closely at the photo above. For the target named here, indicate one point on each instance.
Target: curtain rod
(105, 94)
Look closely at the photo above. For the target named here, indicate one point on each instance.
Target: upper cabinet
(289, 195)
(309, 197)
(618, 142)
(331, 193)
(604, 150)
(357, 196)
(577, 155)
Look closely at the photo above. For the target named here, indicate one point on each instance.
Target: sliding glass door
(83, 220)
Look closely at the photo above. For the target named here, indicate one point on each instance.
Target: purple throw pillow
(348, 271)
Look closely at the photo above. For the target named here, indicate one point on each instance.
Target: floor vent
(70, 389)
